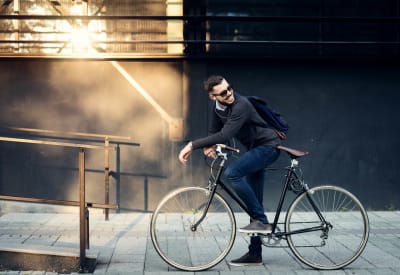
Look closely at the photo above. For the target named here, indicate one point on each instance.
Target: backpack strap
(280, 134)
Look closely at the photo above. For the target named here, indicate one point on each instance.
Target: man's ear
(212, 97)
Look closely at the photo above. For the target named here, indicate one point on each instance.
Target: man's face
(223, 92)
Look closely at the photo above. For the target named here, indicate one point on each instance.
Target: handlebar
(226, 147)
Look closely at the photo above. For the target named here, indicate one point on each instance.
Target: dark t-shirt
(241, 121)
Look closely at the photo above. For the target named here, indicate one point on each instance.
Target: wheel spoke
(172, 234)
(344, 237)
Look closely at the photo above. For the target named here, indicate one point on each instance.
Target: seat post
(294, 163)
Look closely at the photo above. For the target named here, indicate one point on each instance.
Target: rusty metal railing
(87, 137)
(82, 203)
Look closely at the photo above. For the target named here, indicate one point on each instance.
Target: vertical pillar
(146, 193)
(106, 177)
(197, 103)
(82, 210)
(118, 176)
(87, 227)
(175, 27)
(16, 25)
(195, 30)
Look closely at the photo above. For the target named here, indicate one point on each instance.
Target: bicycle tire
(183, 248)
(344, 242)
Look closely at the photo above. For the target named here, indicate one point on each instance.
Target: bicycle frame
(291, 174)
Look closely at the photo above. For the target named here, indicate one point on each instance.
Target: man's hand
(185, 153)
(210, 152)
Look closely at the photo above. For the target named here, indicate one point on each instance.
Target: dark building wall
(88, 97)
(344, 112)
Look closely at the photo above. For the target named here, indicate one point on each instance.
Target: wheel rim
(181, 246)
(342, 242)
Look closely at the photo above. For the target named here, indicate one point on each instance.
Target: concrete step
(17, 256)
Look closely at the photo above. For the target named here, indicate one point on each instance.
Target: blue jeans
(251, 165)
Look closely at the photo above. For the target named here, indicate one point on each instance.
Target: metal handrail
(58, 202)
(83, 212)
(66, 133)
(83, 205)
(107, 139)
(54, 143)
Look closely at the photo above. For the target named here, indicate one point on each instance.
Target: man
(234, 116)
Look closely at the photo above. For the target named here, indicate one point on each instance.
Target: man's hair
(212, 81)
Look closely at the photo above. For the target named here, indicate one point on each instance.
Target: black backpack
(270, 116)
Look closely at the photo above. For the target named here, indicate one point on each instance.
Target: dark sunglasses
(223, 93)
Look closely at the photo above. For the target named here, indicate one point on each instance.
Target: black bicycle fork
(213, 189)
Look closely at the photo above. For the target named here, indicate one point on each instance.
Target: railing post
(118, 176)
(106, 176)
(82, 210)
(83, 205)
(146, 193)
(87, 228)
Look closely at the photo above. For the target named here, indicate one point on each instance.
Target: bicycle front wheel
(336, 243)
(185, 247)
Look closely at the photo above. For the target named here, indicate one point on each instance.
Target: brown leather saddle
(293, 153)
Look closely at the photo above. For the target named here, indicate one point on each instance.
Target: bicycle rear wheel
(341, 241)
(192, 249)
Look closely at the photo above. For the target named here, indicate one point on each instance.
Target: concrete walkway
(124, 247)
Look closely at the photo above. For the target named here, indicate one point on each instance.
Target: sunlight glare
(80, 39)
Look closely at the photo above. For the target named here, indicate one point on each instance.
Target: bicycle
(194, 228)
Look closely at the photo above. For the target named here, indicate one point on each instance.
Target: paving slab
(123, 245)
